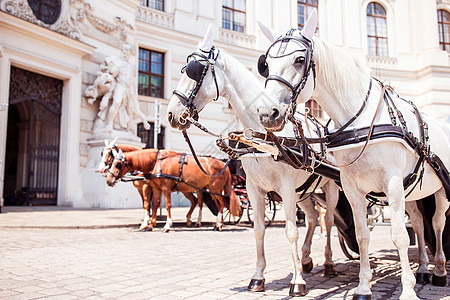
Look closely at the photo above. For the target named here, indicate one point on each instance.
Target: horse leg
(193, 200)
(156, 199)
(219, 218)
(399, 234)
(311, 215)
(146, 198)
(331, 191)
(257, 200)
(357, 201)
(439, 273)
(422, 274)
(200, 209)
(287, 193)
(145, 203)
(168, 224)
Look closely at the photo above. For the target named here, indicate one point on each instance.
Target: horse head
(118, 169)
(107, 156)
(201, 82)
(288, 66)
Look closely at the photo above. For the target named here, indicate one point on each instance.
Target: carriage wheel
(269, 214)
(229, 218)
(346, 250)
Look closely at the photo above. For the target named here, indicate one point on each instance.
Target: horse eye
(300, 60)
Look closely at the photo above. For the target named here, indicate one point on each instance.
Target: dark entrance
(32, 146)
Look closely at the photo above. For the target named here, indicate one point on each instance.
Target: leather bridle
(197, 69)
(295, 89)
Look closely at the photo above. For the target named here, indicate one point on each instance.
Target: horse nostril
(275, 113)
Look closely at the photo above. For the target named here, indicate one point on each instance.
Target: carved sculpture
(116, 85)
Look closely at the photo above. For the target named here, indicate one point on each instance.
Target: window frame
(233, 11)
(376, 36)
(443, 44)
(146, 2)
(150, 74)
(306, 5)
(314, 108)
(141, 131)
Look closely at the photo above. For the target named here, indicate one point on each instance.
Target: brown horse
(143, 186)
(166, 168)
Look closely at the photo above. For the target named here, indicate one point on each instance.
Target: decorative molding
(84, 11)
(154, 16)
(442, 2)
(376, 61)
(21, 9)
(238, 38)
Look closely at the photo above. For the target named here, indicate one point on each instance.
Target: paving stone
(121, 263)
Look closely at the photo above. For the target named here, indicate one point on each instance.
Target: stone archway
(35, 102)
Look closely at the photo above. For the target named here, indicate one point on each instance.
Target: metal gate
(43, 96)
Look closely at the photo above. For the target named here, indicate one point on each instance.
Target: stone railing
(377, 61)
(154, 16)
(238, 38)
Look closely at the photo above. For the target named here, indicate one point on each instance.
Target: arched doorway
(32, 147)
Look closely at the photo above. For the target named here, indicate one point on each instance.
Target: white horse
(244, 92)
(340, 87)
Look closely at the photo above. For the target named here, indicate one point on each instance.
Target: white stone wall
(416, 66)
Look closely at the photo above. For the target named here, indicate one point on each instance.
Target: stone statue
(116, 85)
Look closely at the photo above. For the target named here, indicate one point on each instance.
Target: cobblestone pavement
(186, 263)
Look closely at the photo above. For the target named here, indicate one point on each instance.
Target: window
(444, 29)
(155, 4)
(151, 73)
(376, 30)
(147, 136)
(304, 9)
(233, 15)
(314, 108)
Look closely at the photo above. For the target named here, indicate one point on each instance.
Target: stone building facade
(51, 51)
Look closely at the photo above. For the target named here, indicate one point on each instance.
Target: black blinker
(263, 68)
(194, 70)
(119, 165)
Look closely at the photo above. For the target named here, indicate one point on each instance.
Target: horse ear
(270, 34)
(120, 154)
(310, 25)
(106, 143)
(113, 143)
(207, 42)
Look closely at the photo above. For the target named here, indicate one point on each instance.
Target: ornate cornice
(237, 38)
(154, 16)
(21, 9)
(84, 11)
(377, 61)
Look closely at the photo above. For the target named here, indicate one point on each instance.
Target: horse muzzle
(179, 121)
(271, 118)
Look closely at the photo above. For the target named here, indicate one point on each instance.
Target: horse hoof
(422, 278)
(188, 224)
(361, 297)
(198, 225)
(166, 230)
(307, 268)
(297, 290)
(217, 228)
(256, 285)
(329, 271)
(439, 280)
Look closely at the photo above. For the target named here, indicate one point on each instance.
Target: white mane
(340, 72)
